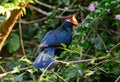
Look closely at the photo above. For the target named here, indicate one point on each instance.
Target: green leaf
(16, 69)
(18, 78)
(84, 45)
(26, 60)
(24, 10)
(89, 73)
(30, 71)
(2, 10)
(13, 43)
(93, 61)
(63, 45)
(80, 72)
(53, 77)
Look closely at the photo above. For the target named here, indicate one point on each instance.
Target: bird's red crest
(72, 19)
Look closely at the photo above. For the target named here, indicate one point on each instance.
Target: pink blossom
(91, 7)
(117, 16)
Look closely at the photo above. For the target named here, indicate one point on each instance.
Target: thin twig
(43, 4)
(3, 70)
(51, 7)
(102, 41)
(105, 61)
(78, 79)
(73, 62)
(80, 61)
(39, 10)
(39, 20)
(21, 40)
(59, 76)
(12, 72)
(44, 12)
(86, 79)
(33, 21)
(118, 79)
(68, 7)
(114, 47)
(45, 71)
(83, 37)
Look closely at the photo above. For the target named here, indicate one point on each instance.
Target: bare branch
(39, 20)
(12, 72)
(7, 26)
(80, 61)
(59, 76)
(33, 21)
(38, 9)
(73, 62)
(43, 4)
(114, 47)
(51, 7)
(45, 71)
(118, 79)
(46, 13)
(21, 40)
(68, 7)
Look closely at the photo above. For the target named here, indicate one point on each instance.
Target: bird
(52, 41)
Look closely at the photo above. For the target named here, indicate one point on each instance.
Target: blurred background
(96, 38)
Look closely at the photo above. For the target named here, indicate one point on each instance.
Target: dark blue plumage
(49, 45)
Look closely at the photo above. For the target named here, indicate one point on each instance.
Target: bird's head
(72, 19)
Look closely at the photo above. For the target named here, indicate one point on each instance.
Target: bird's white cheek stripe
(68, 20)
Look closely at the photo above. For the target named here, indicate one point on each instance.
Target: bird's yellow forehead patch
(74, 19)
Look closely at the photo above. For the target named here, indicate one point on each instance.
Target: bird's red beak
(73, 20)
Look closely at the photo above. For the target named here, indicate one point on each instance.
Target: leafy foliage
(13, 39)
(93, 55)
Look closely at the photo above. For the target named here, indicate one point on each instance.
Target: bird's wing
(56, 37)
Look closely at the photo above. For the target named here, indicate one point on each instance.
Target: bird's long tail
(45, 59)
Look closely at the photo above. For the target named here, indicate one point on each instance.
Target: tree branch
(33, 21)
(39, 10)
(40, 79)
(21, 40)
(73, 62)
(8, 24)
(118, 79)
(114, 47)
(44, 12)
(12, 72)
(51, 7)
(81, 61)
(44, 4)
(59, 76)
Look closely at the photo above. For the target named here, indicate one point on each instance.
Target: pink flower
(117, 16)
(91, 7)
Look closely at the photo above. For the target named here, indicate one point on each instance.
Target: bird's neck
(67, 26)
